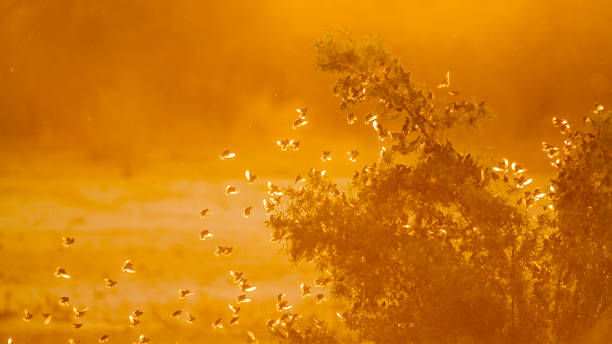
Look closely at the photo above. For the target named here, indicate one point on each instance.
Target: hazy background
(113, 113)
(136, 82)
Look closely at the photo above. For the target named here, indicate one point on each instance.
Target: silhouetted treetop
(371, 80)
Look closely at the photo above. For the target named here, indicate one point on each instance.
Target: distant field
(155, 222)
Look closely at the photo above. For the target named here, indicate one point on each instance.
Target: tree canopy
(429, 244)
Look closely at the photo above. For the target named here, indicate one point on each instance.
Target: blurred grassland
(154, 222)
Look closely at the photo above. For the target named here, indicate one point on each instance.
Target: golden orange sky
(116, 81)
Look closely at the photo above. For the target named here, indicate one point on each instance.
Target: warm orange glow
(386, 200)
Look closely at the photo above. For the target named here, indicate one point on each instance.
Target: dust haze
(132, 83)
(113, 114)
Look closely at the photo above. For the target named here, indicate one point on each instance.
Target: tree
(428, 245)
(581, 246)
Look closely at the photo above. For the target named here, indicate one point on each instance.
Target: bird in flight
(282, 304)
(251, 338)
(321, 173)
(79, 312)
(246, 287)
(236, 276)
(205, 212)
(274, 190)
(223, 250)
(233, 308)
(67, 241)
(242, 298)
(205, 234)
(27, 315)
(183, 293)
(143, 340)
(305, 289)
(301, 120)
(227, 154)
(109, 283)
(64, 301)
(217, 323)
(234, 321)
(250, 177)
(288, 144)
(446, 81)
(61, 273)
(133, 320)
(370, 118)
(326, 156)
(351, 118)
(299, 179)
(320, 298)
(128, 267)
(231, 190)
(269, 206)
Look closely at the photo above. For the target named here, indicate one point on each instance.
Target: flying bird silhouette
(67, 241)
(183, 293)
(249, 176)
(223, 251)
(218, 324)
(204, 213)
(205, 234)
(61, 273)
(27, 315)
(128, 267)
(109, 283)
(231, 190)
(304, 289)
(227, 154)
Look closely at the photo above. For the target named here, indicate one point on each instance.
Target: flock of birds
(278, 326)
